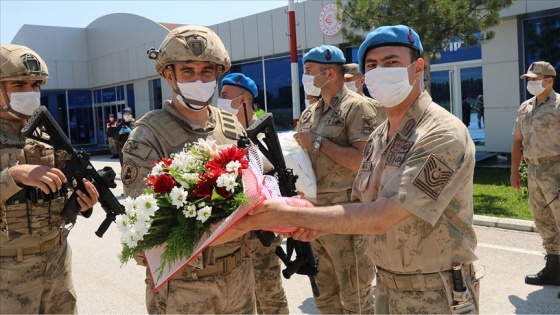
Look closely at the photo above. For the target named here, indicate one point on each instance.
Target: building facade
(102, 68)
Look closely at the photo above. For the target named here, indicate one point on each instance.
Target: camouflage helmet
(191, 43)
(22, 63)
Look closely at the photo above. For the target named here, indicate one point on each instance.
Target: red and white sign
(327, 20)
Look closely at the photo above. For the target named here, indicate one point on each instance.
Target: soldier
(124, 128)
(334, 131)
(413, 192)
(35, 258)
(112, 136)
(237, 91)
(535, 138)
(353, 79)
(191, 59)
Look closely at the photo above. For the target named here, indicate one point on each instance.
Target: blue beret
(396, 35)
(325, 54)
(242, 81)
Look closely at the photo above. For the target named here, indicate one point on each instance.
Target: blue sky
(15, 13)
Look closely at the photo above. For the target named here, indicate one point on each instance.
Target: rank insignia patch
(129, 172)
(433, 177)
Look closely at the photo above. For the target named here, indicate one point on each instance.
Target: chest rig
(30, 211)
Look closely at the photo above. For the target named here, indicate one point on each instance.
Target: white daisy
(178, 197)
(204, 213)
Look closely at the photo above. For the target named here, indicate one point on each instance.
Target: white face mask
(25, 102)
(225, 104)
(308, 85)
(127, 117)
(352, 86)
(389, 86)
(197, 91)
(535, 87)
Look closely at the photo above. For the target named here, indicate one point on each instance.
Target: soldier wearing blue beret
(237, 95)
(413, 191)
(334, 131)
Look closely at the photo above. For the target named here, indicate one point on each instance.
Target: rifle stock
(306, 262)
(42, 127)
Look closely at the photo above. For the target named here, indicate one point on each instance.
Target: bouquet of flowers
(184, 196)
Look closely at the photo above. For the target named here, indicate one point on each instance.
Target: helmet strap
(7, 108)
(187, 101)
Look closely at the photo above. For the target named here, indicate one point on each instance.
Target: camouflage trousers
(543, 182)
(345, 275)
(39, 284)
(271, 298)
(232, 293)
(113, 145)
(434, 297)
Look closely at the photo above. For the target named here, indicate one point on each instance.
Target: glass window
(55, 101)
(108, 95)
(120, 93)
(541, 43)
(279, 92)
(130, 97)
(155, 94)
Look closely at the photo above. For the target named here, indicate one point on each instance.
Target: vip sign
(327, 20)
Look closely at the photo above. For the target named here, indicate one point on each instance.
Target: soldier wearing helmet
(35, 258)
(191, 59)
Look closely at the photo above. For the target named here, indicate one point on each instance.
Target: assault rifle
(42, 127)
(306, 262)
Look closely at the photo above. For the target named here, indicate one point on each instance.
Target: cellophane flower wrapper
(191, 199)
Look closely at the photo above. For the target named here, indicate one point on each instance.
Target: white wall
(117, 45)
(267, 33)
(500, 72)
(64, 49)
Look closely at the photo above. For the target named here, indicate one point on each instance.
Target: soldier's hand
(306, 235)
(87, 202)
(48, 179)
(305, 139)
(515, 180)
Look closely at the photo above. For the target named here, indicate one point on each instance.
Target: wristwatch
(317, 142)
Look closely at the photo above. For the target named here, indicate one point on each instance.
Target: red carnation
(164, 183)
(227, 155)
(150, 181)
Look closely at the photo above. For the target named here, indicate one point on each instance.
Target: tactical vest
(163, 124)
(30, 211)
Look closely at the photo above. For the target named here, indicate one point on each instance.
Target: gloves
(124, 130)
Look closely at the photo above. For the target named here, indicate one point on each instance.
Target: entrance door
(458, 88)
(102, 112)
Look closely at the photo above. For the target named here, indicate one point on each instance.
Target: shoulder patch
(368, 124)
(138, 149)
(305, 116)
(433, 177)
(129, 172)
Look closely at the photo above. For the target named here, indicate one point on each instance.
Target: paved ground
(506, 248)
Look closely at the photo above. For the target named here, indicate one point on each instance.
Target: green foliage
(436, 21)
(493, 195)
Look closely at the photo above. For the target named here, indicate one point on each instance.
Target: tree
(438, 22)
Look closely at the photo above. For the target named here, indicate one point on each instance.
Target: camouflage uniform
(270, 295)
(538, 124)
(427, 168)
(35, 258)
(345, 271)
(219, 280)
